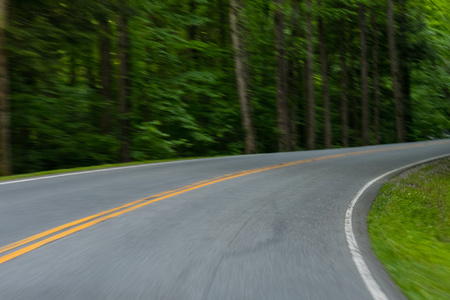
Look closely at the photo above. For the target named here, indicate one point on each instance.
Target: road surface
(200, 229)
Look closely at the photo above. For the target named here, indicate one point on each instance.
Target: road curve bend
(265, 226)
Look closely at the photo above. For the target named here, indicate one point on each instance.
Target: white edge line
(370, 282)
(106, 170)
(123, 168)
(119, 168)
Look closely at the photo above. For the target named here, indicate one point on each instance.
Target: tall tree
(376, 75)
(192, 31)
(105, 73)
(309, 73)
(5, 159)
(406, 53)
(124, 88)
(177, 98)
(344, 82)
(294, 70)
(364, 76)
(281, 79)
(398, 99)
(354, 91)
(325, 87)
(241, 75)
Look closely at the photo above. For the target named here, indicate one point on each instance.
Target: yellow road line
(109, 214)
(71, 224)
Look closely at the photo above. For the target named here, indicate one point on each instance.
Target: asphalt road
(273, 234)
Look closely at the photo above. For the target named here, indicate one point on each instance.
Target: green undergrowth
(409, 225)
(71, 170)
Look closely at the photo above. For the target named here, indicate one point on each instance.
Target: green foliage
(150, 142)
(182, 97)
(431, 107)
(409, 226)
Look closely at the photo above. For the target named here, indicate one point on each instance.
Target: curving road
(275, 232)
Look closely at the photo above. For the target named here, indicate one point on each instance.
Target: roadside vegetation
(102, 82)
(409, 226)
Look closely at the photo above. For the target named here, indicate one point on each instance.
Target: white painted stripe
(371, 284)
(109, 169)
(142, 165)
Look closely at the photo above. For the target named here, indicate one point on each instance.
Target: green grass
(60, 171)
(409, 225)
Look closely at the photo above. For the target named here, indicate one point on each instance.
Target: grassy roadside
(409, 226)
(60, 171)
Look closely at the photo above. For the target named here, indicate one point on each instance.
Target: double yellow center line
(33, 242)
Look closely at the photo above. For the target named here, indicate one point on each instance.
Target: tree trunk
(398, 99)
(325, 87)
(124, 86)
(405, 83)
(364, 76)
(223, 34)
(404, 69)
(376, 79)
(5, 141)
(309, 66)
(192, 33)
(294, 71)
(293, 105)
(105, 75)
(281, 80)
(241, 77)
(192, 29)
(354, 99)
(344, 84)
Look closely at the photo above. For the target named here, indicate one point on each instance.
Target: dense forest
(86, 82)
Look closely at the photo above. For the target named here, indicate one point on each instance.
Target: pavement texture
(276, 234)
